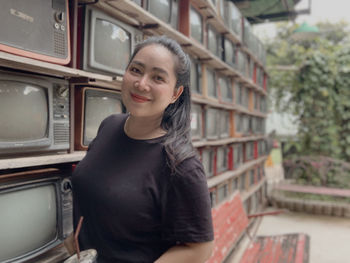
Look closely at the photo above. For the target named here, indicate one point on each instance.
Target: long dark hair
(176, 118)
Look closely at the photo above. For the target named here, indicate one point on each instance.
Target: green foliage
(314, 74)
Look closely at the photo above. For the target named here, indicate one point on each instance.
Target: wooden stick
(76, 236)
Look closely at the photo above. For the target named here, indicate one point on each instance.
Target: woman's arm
(188, 252)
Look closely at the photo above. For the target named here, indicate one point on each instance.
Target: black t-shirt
(134, 209)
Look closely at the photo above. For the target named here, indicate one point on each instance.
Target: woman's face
(149, 82)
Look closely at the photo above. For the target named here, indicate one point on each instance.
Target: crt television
(36, 213)
(237, 155)
(225, 87)
(36, 29)
(212, 123)
(107, 42)
(221, 159)
(211, 83)
(213, 41)
(92, 106)
(196, 122)
(229, 51)
(34, 113)
(196, 77)
(191, 21)
(208, 161)
(233, 18)
(224, 124)
(165, 10)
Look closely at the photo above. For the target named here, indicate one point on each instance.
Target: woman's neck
(141, 128)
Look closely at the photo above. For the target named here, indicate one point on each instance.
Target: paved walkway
(329, 236)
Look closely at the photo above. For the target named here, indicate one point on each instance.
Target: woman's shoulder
(190, 168)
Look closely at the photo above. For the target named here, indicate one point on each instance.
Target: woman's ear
(177, 93)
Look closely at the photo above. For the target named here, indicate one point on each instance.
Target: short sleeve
(186, 210)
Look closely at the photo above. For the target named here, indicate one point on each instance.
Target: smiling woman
(141, 187)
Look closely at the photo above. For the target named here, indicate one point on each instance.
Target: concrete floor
(329, 236)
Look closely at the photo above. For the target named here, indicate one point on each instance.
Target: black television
(36, 213)
(107, 43)
(92, 106)
(34, 113)
(36, 29)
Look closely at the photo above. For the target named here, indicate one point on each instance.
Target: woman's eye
(159, 78)
(135, 70)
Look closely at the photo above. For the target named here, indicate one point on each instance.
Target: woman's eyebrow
(158, 69)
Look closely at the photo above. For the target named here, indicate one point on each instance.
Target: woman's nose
(142, 83)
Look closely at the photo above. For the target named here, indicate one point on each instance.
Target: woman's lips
(138, 98)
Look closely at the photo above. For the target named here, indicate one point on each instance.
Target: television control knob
(63, 27)
(59, 16)
(57, 26)
(62, 91)
(66, 186)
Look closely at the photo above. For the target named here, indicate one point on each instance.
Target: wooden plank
(225, 141)
(36, 66)
(233, 106)
(218, 179)
(32, 161)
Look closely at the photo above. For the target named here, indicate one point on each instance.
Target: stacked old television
(106, 43)
(40, 33)
(92, 106)
(36, 213)
(34, 113)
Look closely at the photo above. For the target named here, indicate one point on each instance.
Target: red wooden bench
(230, 226)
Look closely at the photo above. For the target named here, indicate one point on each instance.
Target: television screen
(211, 123)
(36, 215)
(196, 22)
(245, 97)
(242, 179)
(229, 52)
(160, 9)
(92, 106)
(224, 120)
(249, 151)
(233, 18)
(213, 41)
(98, 105)
(39, 33)
(212, 193)
(239, 93)
(238, 123)
(196, 122)
(241, 59)
(165, 10)
(196, 77)
(31, 111)
(237, 155)
(108, 43)
(208, 161)
(225, 86)
(222, 192)
(221, 159)
(34, 113)
(211, 83)
(245, 123)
